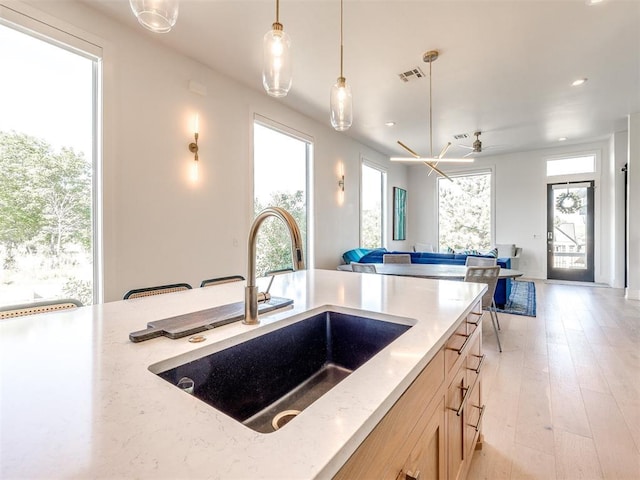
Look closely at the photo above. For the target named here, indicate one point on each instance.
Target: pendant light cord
(341, 46)
(277, 11)
(430, 115)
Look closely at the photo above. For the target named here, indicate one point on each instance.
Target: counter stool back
(217, 281)
(45, 306)
(159, 290)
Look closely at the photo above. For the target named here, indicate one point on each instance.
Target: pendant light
(159, 16)
(276, 69)
(341, 101)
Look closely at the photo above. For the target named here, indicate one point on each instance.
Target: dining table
(429, 270)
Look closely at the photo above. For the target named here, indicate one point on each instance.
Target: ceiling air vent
(414, 74)
(460, 136)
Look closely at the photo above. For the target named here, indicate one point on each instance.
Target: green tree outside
(273, 248)
(465, 212)
(45, 214)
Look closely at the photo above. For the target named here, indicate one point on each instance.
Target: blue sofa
(363, 255)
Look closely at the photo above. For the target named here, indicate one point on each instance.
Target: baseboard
(577, 284)
(631, 294)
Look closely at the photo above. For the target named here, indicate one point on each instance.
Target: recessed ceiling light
(579, 81)
(593, 2)
(389, 124)
(562, 139)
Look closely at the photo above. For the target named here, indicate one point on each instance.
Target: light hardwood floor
(563, 398)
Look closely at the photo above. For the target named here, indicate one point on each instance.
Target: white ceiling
(505, 67)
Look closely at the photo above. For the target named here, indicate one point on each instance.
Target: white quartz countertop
(77, 399)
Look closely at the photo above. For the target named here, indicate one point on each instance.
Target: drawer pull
(464, 345)
(409, 475)
(479, 367)
(458, 411)
(477, 425)
(467, 391)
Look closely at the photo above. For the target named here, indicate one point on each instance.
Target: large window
(464, 212)
(281, 159)
(372, 206)
(48, 94)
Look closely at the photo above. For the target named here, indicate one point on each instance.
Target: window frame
(467, 173)
(567, 156)
(384, 202)
(29, 23)
(309, 141)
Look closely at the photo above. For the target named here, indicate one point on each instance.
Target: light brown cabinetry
(431, 431)
(463, 403)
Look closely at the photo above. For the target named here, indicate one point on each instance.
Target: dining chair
(363, 267)
(217, 281)
(396, 258)
(473, 261)
(32, 308)
(159, 290)
(489, 276)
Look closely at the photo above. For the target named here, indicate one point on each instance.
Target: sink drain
(284, 417)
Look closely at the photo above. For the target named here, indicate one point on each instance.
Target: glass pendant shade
(156, 15)
(341, 105)
(276, 70)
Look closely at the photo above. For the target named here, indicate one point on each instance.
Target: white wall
(159, 227)
(521, 202)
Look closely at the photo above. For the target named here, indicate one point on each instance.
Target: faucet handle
(270, 283)
(266, 296)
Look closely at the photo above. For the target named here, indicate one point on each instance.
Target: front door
(570, 231)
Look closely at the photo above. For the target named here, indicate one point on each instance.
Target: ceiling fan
(431, 161)
(476, 146)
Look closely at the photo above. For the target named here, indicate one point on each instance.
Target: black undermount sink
(265, 381)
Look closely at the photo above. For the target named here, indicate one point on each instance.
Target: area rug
(522, 300)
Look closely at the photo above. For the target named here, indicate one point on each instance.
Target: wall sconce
(341, 183)
(193, 148)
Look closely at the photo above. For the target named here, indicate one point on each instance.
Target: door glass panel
(570, 233)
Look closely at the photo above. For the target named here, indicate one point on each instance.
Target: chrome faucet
(251, 290)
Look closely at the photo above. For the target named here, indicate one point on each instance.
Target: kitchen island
(78, 400)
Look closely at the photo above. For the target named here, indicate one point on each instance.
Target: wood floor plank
(563, 400)
(567, 410)
(619, 458)
(576, 457)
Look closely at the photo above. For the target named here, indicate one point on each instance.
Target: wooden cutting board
(190, 323)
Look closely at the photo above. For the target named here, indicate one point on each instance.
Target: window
(464, 212)
(281, 159)
(372, 206)
(570, 166)
(48, 200)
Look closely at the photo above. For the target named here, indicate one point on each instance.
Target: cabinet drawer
(475, 358)
(374, 456)
(455, 348)
(457, 345)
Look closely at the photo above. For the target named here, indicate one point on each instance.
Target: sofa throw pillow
(355, 255)
(468, 252)
(491, 253)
